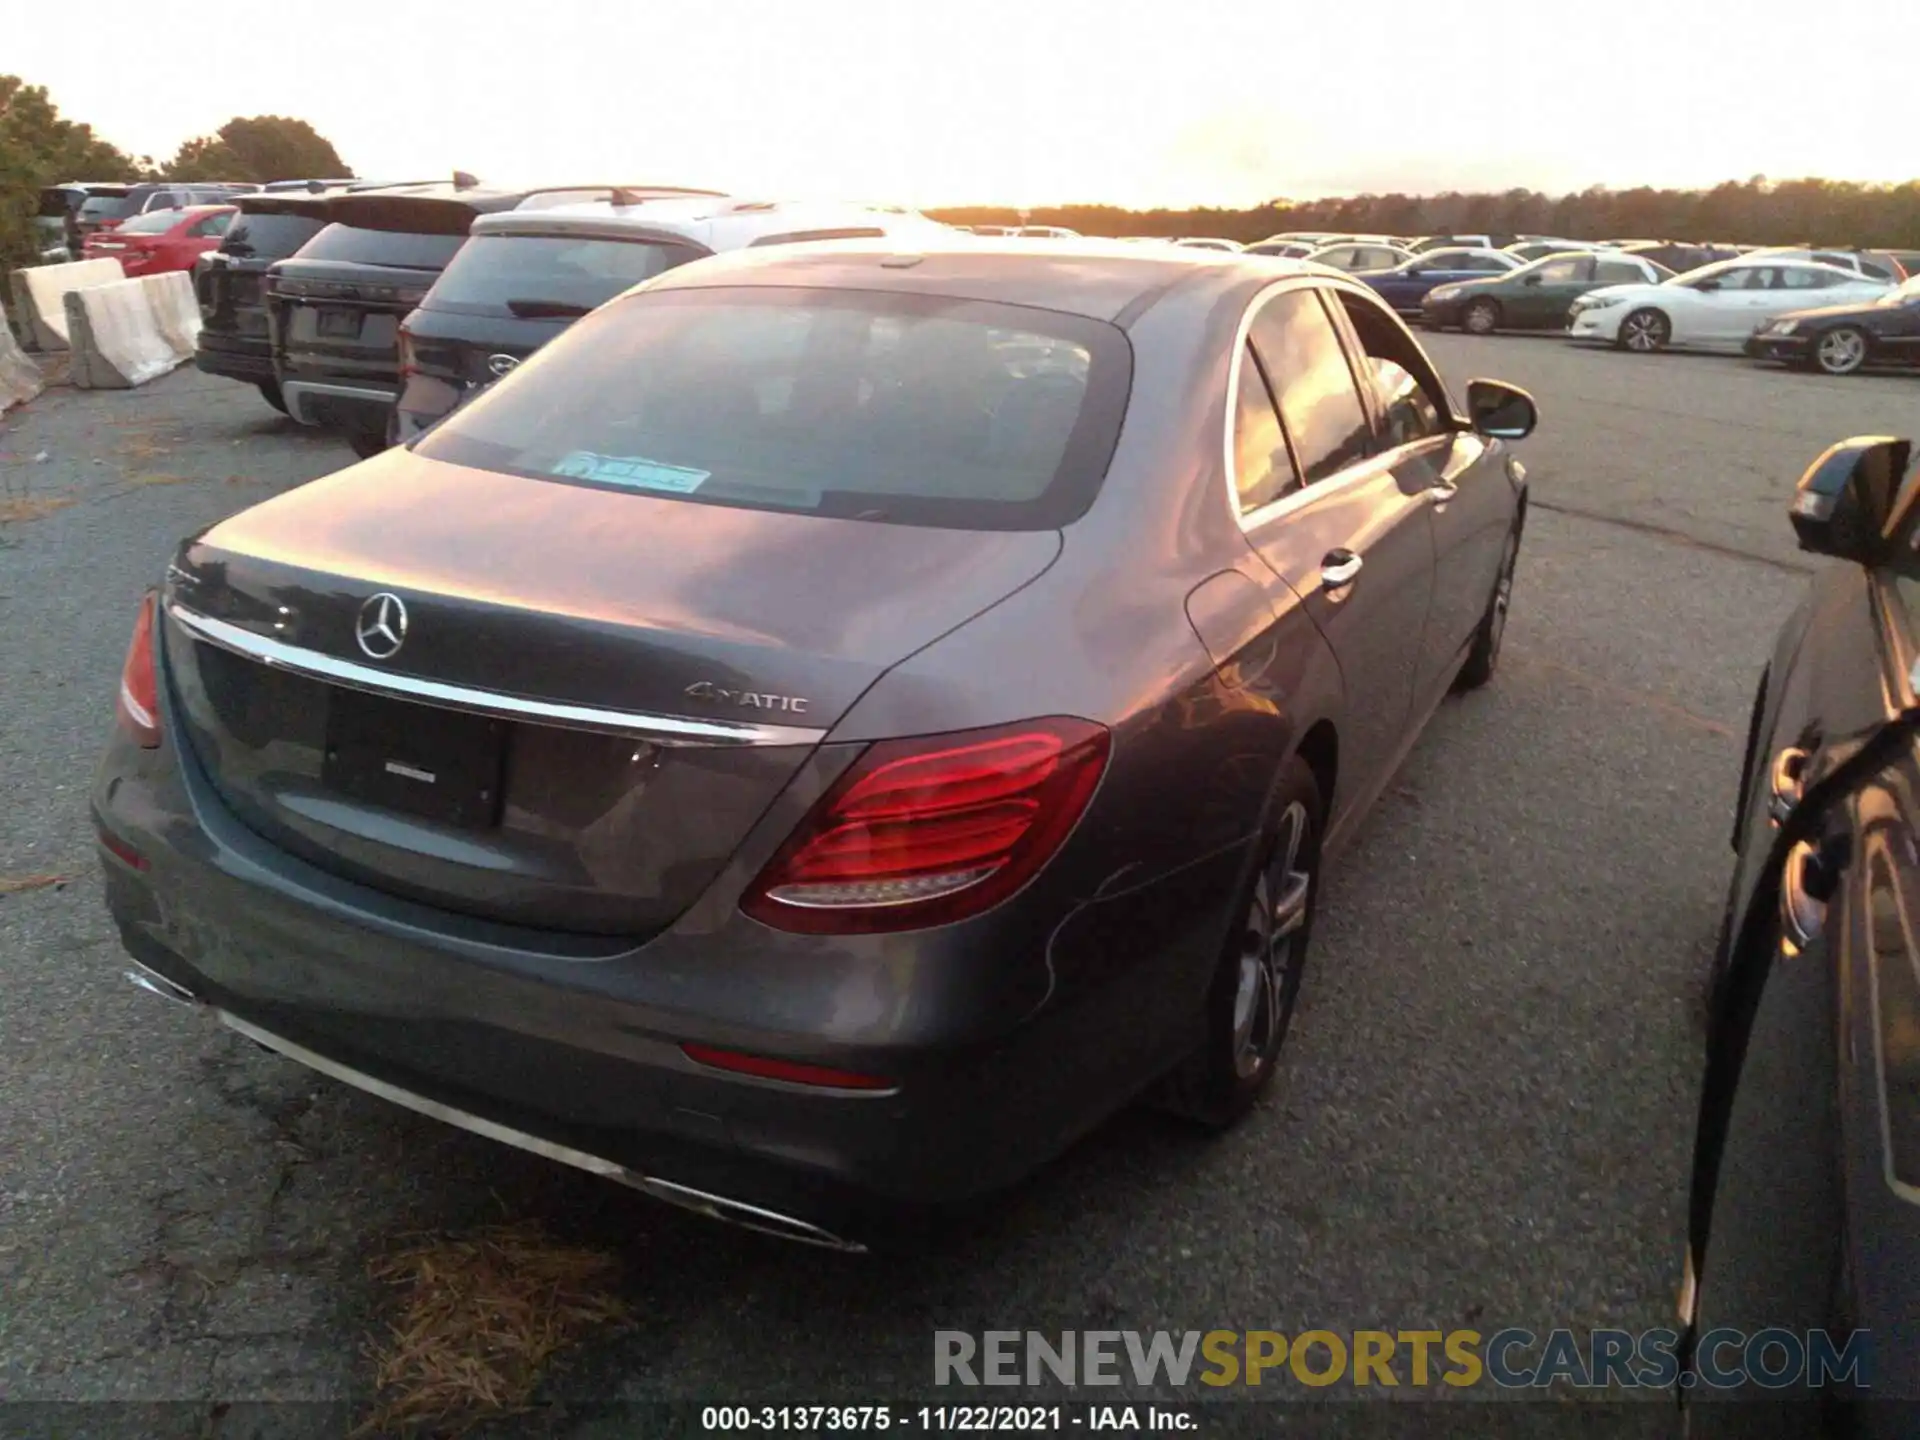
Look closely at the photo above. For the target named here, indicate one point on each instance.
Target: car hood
(1641, 291)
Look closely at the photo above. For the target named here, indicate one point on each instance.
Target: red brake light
(791, 1071)
(929, 831)
(409, 363)
(139, 707)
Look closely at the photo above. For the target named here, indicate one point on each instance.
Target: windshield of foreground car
(565, 274)
(919, 410)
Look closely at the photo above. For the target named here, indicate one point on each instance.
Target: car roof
(1102, 279)
(717, 222)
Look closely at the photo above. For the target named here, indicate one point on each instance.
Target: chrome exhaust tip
(154, 983)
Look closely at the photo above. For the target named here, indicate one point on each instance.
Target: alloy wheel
(1842, 351)
(1273, 947)
(1643, 332)
(1481, 318)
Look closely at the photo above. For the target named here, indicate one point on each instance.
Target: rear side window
(108, 207)
(269, 237)
(916, 410)
(1262, 465)
(397, 249)
(1306, 365)
(545, 274)
(1618, 272)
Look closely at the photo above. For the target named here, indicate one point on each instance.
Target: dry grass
(480, 1317)
(20, 884)
(18, 508)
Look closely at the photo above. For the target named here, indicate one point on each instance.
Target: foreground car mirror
(1500, 411)
(1844, 502)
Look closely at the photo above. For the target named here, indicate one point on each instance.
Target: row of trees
(39, 146)
(1756, 211)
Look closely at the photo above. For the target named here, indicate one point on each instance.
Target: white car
(1209, 242)
(1715, 307)
(1874, 267)
(1362, 255)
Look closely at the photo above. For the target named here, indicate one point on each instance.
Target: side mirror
(1500, 411)
(1533, 279)
(1707, 285)
(1844, 502)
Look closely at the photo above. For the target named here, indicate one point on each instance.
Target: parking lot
(1485, 1109)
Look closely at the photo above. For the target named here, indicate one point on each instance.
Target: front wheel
(1484, 658)
(366, 444)
(1482, 317)
(1251, 1001)
(1645, 331)
(1841, 351)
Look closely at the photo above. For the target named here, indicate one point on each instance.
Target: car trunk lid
(594, 696)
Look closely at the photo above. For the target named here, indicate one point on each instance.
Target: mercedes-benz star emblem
(501, 364)
(382, 626)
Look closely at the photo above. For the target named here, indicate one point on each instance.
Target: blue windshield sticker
(631, 471)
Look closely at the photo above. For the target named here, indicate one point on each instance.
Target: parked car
(1406, 284)
(56, 229)
(1044, 232)
(312, 187)
(228, 282)
(162, 240)
(1875, 265)
(1353, 258)
(107, 206)
(1531, 249)
(1455, 242)
(1717, 307)
(334, 307)
(1841, 339)
(702, 758)
(1678, 256)
(525, 276)
(1205, 242)
(1533, 297)
(1285, 249)
(1806, 1164)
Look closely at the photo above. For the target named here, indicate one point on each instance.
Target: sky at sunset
(1134, 102)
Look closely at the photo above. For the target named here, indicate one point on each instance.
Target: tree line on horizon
(39, 146)
(1757, 211)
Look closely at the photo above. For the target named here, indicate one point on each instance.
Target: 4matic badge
(750, 699)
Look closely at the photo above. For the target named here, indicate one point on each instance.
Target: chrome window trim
(660, 729)
(1251, 520)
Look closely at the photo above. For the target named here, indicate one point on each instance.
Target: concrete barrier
(20, 378)
(116, 338)
(176, 310)
(40, 291)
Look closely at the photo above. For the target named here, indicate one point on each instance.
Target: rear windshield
(109, 207)
(269, 237)
(56, 204)
(154, 222)
(396, 248)
(501, 274)
(915, 410)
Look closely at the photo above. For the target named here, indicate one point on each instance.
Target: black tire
(270, 392)
(366, 444)
(1644, 332)
(1839, 351)
(1482, 317)
(1251, 1001)
(1484, 658)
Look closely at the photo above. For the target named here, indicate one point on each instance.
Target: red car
(162, 240)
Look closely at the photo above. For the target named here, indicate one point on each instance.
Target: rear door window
(108, 207)
(396, 249)
(1305, 363)
(1263, 468)
(550, 274)
(1619, 272)
(269, 236)
(879, 406)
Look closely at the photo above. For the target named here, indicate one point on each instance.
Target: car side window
(1412, 403)
(1263, 468)
(1804, 277)
(1559, 272)
(1484, 264)
(1619, 272)
(1306, 366)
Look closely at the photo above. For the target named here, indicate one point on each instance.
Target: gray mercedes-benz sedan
(829, 729)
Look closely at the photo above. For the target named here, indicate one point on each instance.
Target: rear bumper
(235, 358)
(574, 1043)
(357, 407)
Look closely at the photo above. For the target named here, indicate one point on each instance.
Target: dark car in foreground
(525, 276)
(234, 340)
(1841, 339)
(789, 746)
(1533, 297)
(1405, 286)
(1804, 1218)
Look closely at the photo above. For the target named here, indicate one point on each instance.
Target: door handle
(1338, 569)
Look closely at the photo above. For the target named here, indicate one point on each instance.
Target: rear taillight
(792, 1071)
(933, 830)
(409, 364)
(139, 707)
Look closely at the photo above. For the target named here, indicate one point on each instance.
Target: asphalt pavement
(1485, 1108)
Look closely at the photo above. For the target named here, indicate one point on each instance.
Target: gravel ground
(1485, 1111)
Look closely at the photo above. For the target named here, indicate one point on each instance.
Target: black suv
(233, 315)
(334, 308)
